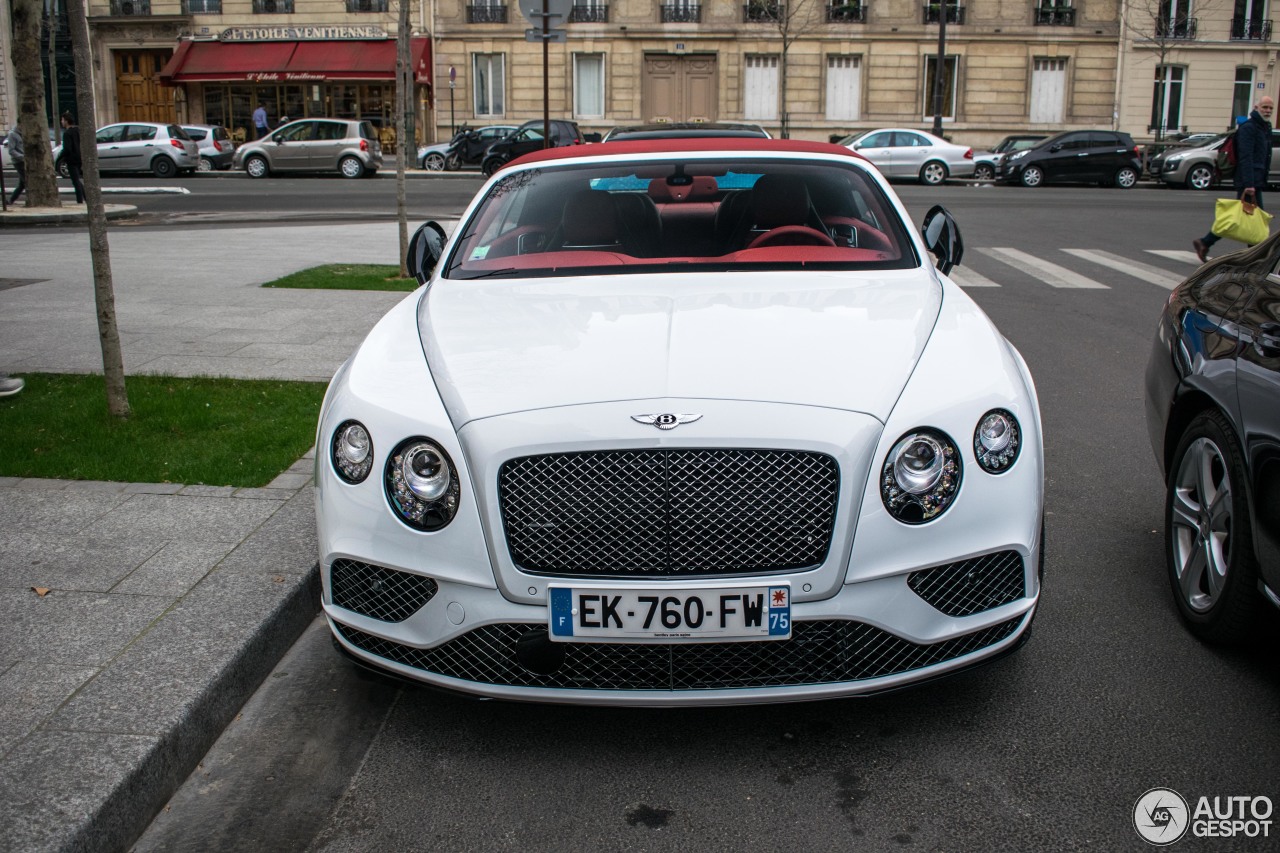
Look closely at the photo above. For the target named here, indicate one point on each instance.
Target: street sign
(552, 36)
(558, 10)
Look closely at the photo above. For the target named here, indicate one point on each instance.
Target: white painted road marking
(1051, 273)
(1137, 269)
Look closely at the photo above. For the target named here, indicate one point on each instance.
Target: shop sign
(282, 76)
(326, 33)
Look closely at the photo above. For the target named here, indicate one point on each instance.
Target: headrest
(780, 200)
(703, 188)
(590, 219)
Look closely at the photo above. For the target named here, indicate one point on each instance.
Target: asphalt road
(1046, 750)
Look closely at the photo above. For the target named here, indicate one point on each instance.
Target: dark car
(528, 138)
(1213, 413)
(987, 163)
(687, 130)
(1105, 157)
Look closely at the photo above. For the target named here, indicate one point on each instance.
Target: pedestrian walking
(71, 155)
(18, 157)
(260, 121)
(1253, 165)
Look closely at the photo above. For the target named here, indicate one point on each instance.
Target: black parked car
(528, 138)
(1104, 157)
(1213, 412)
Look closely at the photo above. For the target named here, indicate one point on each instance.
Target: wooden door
(679, 88)
(139, 95)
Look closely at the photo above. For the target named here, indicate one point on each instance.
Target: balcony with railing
(355, 7)
(1178, 29)
(1055, 16)
(846, 13)
(681, 13)
(1247, 29)
(273, 7)
(933, 13)
(589, 13)
(130, 8)
(486, 14)
(202, 7)
(763, 12)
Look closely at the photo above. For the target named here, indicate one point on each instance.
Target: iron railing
(1246, 29)
(846, 13)
(589, 13)
(485, 14)
(357, 6)
(763, 12)
(681, 13)
(273, 7)
(1055, 16)
(933, 13)
(130, 7)
(1178, 28)
(202, 7)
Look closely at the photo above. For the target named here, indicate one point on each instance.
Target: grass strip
(223, 432)
(347, 277)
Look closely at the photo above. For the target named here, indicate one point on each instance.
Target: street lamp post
(453, 76)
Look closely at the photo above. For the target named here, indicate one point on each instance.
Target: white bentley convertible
(673, 423)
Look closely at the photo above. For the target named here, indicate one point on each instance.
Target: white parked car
(903, 153)
(681, 423)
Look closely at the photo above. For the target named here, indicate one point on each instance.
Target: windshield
(703, 215)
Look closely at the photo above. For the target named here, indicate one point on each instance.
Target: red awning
(293, 61)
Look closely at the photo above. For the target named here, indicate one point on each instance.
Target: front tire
(933, 173)
(1208, 540)
(1126, 178)
(984, 172)
(351, 167)
(163, 167)
(257, 167)
(1032, 176)
(492, 165)
(433, 162)
(1200, 177)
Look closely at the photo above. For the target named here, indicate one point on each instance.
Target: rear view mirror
(942, 237)
(426, 247)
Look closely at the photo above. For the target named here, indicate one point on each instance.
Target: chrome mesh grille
(668, 513)
(378, 593)
(823, 652)
(973, 585)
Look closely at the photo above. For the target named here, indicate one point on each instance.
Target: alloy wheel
(984, 172)
(933, 174)
(350, 167)
(1032, 176)
(1200, 522)
(206, 165)
(1200, 177)
(256, 167)
(433, 162)
(1126, 178)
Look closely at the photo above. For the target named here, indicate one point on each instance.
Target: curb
(53, 215)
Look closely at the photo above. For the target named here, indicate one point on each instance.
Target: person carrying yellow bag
(1240, 219)
(1253, 165)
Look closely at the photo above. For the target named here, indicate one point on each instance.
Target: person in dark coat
(71, 154)
(1253, 165)
(17, 156)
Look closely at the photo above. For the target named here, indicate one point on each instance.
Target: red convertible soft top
(690, 145)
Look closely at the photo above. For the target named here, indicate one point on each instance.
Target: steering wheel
(792, 235)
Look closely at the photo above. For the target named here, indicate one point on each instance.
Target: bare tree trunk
(42, 184)
(404, 98)
(99, 251)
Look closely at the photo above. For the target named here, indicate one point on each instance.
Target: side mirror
(1053, 149)
(426, 247)
(942, 237)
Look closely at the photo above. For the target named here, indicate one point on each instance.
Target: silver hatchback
(164, 150)
(348, 147)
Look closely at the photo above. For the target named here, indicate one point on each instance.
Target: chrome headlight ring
(351, 452)
(422, 484)
(921, 476)
(996, 441)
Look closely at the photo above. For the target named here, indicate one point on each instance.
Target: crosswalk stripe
(1051, 273)
(966, 277)
(1137, 269)
(1176, 255)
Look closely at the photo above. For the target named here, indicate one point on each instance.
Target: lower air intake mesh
(973, 585)
(378, 593)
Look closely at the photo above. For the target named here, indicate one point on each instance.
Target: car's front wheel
(1209, 544)
(257, 167)
(984, 172)
(351, 167)
(433, 162)
(1032, 176)
(1200, 177)
(163, 167)
(492, 165)
(933, 173)
(1126, 177)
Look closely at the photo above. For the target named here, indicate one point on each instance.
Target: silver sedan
(904, 153)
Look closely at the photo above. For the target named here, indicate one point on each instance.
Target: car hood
(841, 340)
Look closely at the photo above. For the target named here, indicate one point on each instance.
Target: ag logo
(665, 421)
(1161, 816)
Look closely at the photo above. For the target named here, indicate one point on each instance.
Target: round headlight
(351, 451)
(422, 484)
(921, 476)
(996, 441)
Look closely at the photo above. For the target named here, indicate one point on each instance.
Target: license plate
(634, 614)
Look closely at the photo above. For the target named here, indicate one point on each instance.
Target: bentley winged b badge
(665, 421)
